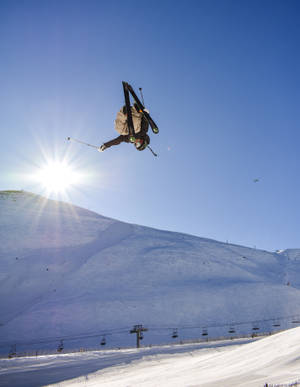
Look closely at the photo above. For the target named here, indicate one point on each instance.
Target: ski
(128, 111)
(82, 142)
(141, 107)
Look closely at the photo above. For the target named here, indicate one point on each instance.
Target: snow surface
(66, 272)
(274, 360)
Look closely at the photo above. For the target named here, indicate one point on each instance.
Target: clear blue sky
(220, 77)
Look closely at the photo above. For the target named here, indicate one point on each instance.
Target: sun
(57, 176)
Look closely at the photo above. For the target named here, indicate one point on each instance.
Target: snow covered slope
(67, 271)
(273, 360)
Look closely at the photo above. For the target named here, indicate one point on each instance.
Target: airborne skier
(132, 123)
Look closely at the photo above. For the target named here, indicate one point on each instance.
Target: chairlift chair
(204, 332)
(103, 341)
(13, 351)
(175, 333)
(61, 346)
(295, 321)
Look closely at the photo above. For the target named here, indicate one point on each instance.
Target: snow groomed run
(271, 361)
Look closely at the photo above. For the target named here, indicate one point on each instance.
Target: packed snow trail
(49, 369)
(273, 360)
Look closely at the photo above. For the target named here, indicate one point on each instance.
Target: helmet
(142, 143)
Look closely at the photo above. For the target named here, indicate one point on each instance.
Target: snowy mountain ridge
(68, 271)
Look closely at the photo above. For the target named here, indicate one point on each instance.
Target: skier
(132, 124)
(140, 139)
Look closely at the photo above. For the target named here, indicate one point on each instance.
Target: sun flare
(57, 176)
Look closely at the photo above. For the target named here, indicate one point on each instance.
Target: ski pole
(154, 154)
(82, 142)
(140, 89)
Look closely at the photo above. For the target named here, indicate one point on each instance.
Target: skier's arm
(116, 141)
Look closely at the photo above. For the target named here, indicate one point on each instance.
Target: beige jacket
(121, 125)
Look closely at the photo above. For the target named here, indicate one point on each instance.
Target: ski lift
(231, 330)
(141, 335)
(276, 324)
(175, 333)
(204, 332)
(255, 327)
(61, 346)
(103, 341)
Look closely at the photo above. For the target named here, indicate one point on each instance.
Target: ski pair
(128, 89)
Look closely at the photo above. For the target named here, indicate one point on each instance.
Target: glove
(102, 148)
